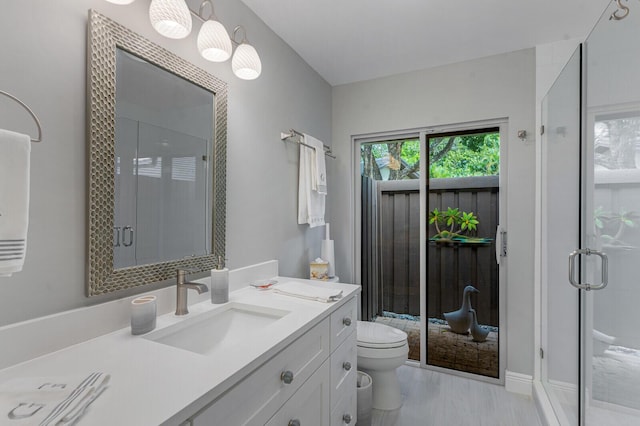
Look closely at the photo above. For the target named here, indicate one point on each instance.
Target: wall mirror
(157, 161)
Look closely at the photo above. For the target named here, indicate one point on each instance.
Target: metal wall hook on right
(621, 13)
(522, 135)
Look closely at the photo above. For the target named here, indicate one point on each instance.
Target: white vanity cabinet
(310, 404)
(344, 364)
(343, 382)
(312, 382)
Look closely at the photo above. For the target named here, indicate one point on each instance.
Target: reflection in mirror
(157, 161)
(164, 131)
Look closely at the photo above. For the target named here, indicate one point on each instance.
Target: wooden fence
(450, 267)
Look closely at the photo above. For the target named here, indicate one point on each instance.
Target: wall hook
(622, 9)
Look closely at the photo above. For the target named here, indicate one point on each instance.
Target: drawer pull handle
(346, 365)
(294, 422)
(347, 418)
(287, 378)
(346, 321)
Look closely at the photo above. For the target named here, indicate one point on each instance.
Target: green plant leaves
(452, 216)
(468, 221)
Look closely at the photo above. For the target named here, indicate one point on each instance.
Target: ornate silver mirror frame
(104, 35)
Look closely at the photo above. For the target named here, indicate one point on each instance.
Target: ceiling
(353, 40)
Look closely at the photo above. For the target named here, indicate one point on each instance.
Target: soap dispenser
(220, 283)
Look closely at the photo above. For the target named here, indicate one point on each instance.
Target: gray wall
(43, 62)
(488, 88)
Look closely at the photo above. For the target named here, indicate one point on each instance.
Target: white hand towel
(49, 401)
(15, 151)
(308, 291)
(319, 174)
(310, 203)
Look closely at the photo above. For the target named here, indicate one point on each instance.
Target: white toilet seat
(379, 336)
(379, 341)
(381, 345)
(401, 351)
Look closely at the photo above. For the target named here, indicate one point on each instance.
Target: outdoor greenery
(401, 159)
(459, 156)
(450, 156)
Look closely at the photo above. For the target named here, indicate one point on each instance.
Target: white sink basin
(221, 328)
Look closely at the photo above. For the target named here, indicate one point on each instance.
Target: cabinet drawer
(346, 412)
(310, 405)
(343, 322)
(343, 370)
(256, 398)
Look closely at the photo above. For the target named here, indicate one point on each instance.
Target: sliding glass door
(428, 246)
(390, 203)
(462, 274)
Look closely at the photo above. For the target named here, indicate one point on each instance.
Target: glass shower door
(611, 220)
(560, 235)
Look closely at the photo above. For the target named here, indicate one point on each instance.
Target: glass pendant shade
(171, 18)
(246, 62)
(214, 43)
(121, 1)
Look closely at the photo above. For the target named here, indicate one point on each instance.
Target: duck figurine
(478, 332)
(460, 320)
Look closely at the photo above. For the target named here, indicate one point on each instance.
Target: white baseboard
(567, 393)
(543, 405)
(518, 383)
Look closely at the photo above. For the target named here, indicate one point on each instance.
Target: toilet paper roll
(143, 314)
(326, 253)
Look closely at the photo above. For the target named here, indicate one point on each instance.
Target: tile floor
(438, 399)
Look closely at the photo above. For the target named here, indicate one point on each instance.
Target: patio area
(447, 349)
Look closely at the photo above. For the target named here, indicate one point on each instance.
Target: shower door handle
(572, 269)
(131, 232)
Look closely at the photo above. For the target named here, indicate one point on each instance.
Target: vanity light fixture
(246, 62)
(171, 18)
(214, 43)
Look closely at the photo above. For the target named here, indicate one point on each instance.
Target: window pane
(391, 160)
(464, 155)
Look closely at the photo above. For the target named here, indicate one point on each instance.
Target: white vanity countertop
(152, 383)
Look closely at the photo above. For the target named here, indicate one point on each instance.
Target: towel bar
(288, 137)
(39, 139)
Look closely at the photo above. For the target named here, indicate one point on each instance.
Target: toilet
(381, 350)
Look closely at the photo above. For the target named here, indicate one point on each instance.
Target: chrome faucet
(183, 286)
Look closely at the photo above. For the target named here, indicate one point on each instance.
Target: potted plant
(458, 223)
